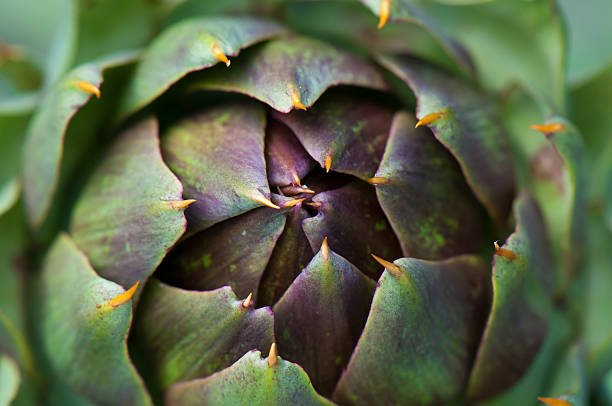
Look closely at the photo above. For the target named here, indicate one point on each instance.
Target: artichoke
(385, 202)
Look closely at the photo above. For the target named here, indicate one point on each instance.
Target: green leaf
(108, 26)
(218, 154)
(275, 71)
(519, 321)
(320, 317)
(44, 142)
(586, 27)
(232, 253)
(126, 219)
(470, 128)
(420, 338)
(512, 42)
(183, 335)
(10, 379)
(83, 338)
(414, 11)
(569, 381)
(187, 47)
(422, 176)
(249, 381)
(12, 129)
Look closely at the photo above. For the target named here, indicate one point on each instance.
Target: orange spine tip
(325, 250)
(295, 99)
(389, 266)
(503, 252)
(88, 87)
(272, 356)
(218, 52)
(328, 163)
(429, 118)
(296, 179)
(316, 205)
(548, 128)
(247, 302)
(260, 198)
(377, 180)
(385, 6)
(180, 204)
(121, 298)
(291, 203)
(554, 401)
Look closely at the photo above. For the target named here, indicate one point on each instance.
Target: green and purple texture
(246, 167)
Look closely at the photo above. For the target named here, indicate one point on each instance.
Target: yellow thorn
(328, 162)
(548, 128)
(316, 205)
(295, 99)
(378, 180)
(87, 87)
(503, 252)
(260, 198)
(291, 203)
(429, 118)
(554, 401)
(272, 356)
(218, 52)
(121, 298)
(325, 250)
(180, 204)
(385, 5)
(389, 266)
(247, 301)
(296, 179)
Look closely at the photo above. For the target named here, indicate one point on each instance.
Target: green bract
(376, 202)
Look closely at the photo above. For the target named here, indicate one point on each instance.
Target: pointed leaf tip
(378, 180)
(295, 99)
(554, 401)
(260, 198)
(325, 249)
(429, 118)
(218, 52)
(389, 266)
(385, 5)
(180, 204)
(291, 203)
(121, 298)
(503, 252)
(88, 87)
(272, 356)
(328, 163)
(548, 128)
(247, 302)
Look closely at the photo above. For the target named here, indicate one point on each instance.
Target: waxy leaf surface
(232, 253)
(249, 381)
(218, 155)
(469, 128)
(421, 335)
(124, 221)
(290, 256)
(44, 143)
(10, 379)
(84, 341)
(185, 335)
(415, 12)
(320, 317)
(187, 47)
(429, 205)
(352, 130)
(286, 159)
(273, 71)
(355, 226)
(519, 320)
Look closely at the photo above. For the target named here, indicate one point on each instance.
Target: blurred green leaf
(570, 380)
(10, 378)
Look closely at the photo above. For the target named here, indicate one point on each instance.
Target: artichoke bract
(266, 208)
